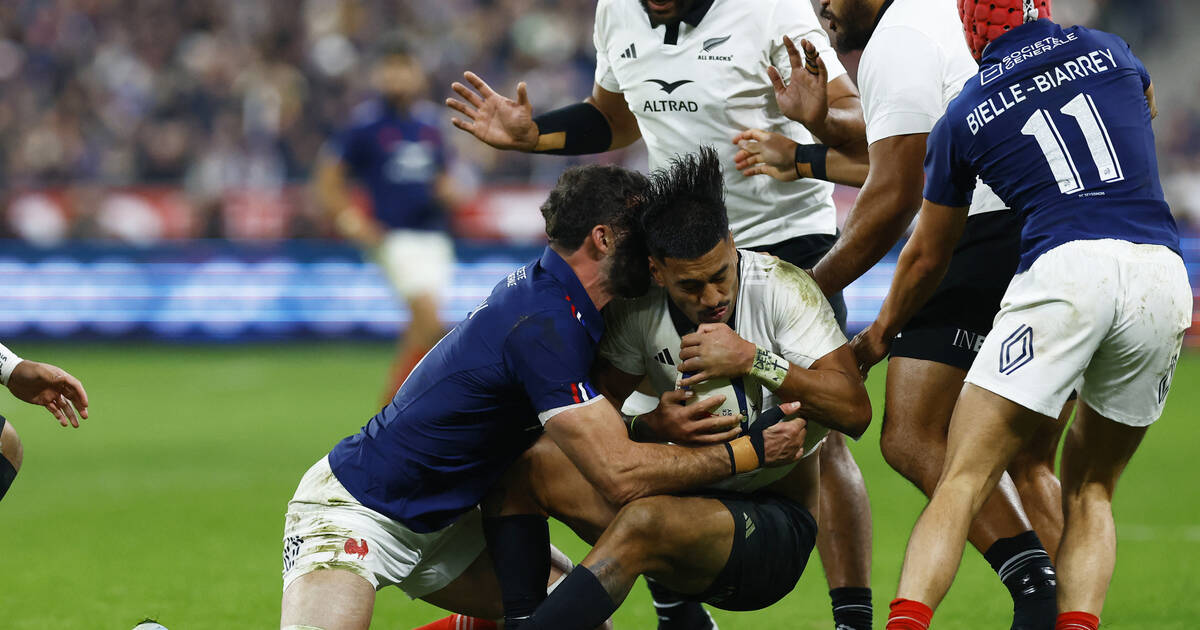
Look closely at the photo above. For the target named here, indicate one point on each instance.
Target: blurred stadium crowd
(214, 110)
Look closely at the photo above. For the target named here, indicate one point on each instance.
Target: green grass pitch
(169, 502)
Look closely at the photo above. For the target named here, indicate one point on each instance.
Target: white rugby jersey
(704, 81)
(778, 307)
(915, 63)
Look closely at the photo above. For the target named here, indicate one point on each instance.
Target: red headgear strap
(985, 20)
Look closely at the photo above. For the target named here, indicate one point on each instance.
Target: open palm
(494, 119)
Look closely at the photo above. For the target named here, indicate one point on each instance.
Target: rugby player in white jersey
(685, 73)
(915, 60)
(39, 384)
(718, 312)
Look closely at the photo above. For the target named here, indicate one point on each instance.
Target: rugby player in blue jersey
(397, 502)
(1058, 123)
(394, 148)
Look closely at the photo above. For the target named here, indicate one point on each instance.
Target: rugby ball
(736, 401)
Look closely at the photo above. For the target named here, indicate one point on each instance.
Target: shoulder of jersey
(366, 112)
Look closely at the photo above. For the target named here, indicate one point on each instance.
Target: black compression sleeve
(814, 156)
(586, 129)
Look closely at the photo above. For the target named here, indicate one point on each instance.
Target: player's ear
(603, 240)
(656, 272)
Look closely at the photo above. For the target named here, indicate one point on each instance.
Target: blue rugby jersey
(397, 156)
(474, 403)
(1056, 122)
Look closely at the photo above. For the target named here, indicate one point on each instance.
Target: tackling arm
(830, 392)
(885, 206)
(595, 440)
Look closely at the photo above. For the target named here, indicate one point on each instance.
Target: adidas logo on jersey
(630, 53)
(664, 357)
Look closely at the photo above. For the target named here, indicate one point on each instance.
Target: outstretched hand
(495, 119)
(805, 99)
(51, 387)
(766, 153)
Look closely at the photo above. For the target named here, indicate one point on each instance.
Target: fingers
(716, 438)
(467, 94)
(812, 58)
(461, 108)
(790, 408)
(67, 410)
(695, 379)
(776, 80)
(57, 412)
(464, 125)
(522, 95)
(745, 159)
(484, 89)
(72, 389)
(793, 53)
(705, 406)
(675, 397)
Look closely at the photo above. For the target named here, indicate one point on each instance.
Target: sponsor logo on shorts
(291, 551)
(968, 340)
(356, 547)
(1017, 350)
(1164, 386)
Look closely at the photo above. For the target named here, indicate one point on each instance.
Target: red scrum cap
(985, 20)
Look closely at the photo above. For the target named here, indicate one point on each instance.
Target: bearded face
(851, 21)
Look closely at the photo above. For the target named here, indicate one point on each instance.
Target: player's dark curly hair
(684, 216)
(587, 196)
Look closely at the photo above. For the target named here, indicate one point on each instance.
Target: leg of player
(986, 431)
(1094, 455)
(330, 599)
(844, 535)
(542, 482)
(1033, 473)
(737, 552)
(12, 453)
(920, 399)
(424, 331)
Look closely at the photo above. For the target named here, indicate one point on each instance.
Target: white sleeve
(805, 327)
(604, 74)
(796, 19)
(900, 78)
(620, 344)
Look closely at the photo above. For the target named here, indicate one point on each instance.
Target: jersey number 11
(1083, 109)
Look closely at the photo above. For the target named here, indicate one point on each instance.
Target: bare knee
(10, 446)
(913, 453)
(638, 527)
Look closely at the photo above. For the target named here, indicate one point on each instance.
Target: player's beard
(853, 27)
(626, 269)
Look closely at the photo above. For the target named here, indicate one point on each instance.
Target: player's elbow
(858, 413)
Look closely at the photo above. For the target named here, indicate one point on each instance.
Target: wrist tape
(748, 452)
(585, 130)
(814, 156)
(8, 362)
(769, 368)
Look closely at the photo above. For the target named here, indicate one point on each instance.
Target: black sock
(579, 603)
(1024, 566)
(676, 612)
(520, 548)
(852, 608)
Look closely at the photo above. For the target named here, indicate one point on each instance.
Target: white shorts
(416, 262)
(326, 528)
(1106, 313)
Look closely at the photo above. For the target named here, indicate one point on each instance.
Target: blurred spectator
(220, 96)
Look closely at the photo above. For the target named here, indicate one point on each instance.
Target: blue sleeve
(949, 180)
(550, 354)
(1141, 68)
(348, 146)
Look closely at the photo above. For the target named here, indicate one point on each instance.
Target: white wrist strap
(8, 362)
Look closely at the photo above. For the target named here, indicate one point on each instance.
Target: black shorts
(805, 252)
(772, 539)
(952, 325)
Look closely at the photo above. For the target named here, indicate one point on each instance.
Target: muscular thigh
(921, 395)
(564, 493)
